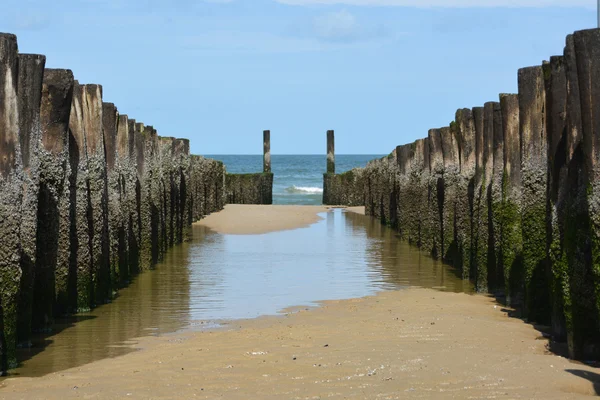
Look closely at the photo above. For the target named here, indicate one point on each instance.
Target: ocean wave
(304, 189)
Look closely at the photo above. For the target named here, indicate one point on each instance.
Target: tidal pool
(216, 277)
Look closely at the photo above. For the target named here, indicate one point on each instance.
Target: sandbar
(238, 219)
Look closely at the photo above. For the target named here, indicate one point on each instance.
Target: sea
(298, 179)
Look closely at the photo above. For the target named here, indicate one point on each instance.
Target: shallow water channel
(218, 277)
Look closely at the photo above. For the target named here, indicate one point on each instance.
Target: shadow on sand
(590, 376)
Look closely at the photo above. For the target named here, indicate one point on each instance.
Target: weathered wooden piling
(478, 124)
(532, 102)
(496, 275)
(207, 192)
(125, 198)
(110, 124)
(132, 193)
(420, 179)
(267, 151)
(92, 243)
(98, 193)
(484, 125)
(556, 104)
(181, 151)
(55, 278)
(9, 107)
(157, 193)
(587, 51)
(436, 192)
(585, 280)
(380, 200)
(30, 77)
(465, 192)
(123, 139)
(81, 237)
(168, 167)
(143, 197)
(196, 190)
(404, 159)
(511, 240)
(131, 124)
(330, 152)
(149, 245)
(11, 180)
(140, 146)
(575, 220)
(451, 157)
(371, 201)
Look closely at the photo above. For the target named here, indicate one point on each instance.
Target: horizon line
(306, 154)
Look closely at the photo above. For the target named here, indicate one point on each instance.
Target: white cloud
(449, 3)
(339, 25)
(264, 43)
(249, 42)
(342, 26)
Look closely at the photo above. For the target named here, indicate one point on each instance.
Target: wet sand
(257, 219)
(413, 343)
(358, 210)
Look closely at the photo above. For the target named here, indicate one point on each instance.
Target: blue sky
(379, 72)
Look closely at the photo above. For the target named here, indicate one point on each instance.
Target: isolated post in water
(266, 151)
(330, 153)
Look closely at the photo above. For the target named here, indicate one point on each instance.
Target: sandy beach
(257, 219)
(413, 343)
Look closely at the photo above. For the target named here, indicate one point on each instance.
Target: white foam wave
(304, 189)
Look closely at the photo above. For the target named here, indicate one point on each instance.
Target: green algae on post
(249, 188)
(510, 219)
(533, 181)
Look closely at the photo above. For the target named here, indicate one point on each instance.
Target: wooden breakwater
(88, 196)
(509, 194)
(252, 188)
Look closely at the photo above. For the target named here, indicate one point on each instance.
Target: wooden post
(330, 152)
(266, 151)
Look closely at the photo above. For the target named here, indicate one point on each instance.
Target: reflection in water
(242, 276)
(156, 302)
(399, 264)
